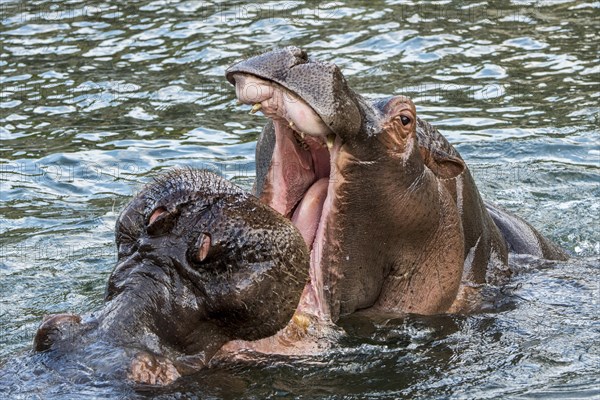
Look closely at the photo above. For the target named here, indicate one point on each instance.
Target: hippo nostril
(299, 54)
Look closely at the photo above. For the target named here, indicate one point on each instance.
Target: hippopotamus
(200, 263)
(387, 206)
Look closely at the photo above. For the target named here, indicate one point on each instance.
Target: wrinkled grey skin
(174, 297)
(372, 242)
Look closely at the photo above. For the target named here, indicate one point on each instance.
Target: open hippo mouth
(312, 111)
(299, 184)
(300, 181)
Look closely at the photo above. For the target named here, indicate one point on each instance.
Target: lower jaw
(315, 299)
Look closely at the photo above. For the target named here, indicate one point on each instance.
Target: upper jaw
(279, 103)
(303, 140)
(320, 86)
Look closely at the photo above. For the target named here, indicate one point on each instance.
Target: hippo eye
(156, 214)
(405, 120)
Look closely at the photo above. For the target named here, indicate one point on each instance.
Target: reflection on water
(96, 98)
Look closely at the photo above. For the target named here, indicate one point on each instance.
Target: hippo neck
(421, 225)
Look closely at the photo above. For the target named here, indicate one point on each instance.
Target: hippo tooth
(330, 140)
(300, 133)
(255, 108)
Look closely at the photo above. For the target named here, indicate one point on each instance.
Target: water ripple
(97, 98)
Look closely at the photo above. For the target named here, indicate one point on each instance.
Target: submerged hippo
(390, 211)
(199, 263)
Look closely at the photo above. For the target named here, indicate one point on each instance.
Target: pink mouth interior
(307, 215)
(299, 184)
(299, 176)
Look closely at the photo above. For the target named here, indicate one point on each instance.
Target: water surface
(98, 97)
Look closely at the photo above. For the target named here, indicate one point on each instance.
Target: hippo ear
(441, 163)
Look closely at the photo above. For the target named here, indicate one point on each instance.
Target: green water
(97, 97)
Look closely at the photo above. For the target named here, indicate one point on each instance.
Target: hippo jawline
(301, 180)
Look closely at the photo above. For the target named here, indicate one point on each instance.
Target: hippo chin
(199, 263)
(388, 208)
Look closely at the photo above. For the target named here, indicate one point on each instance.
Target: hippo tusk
(255, 108)
(330, 140)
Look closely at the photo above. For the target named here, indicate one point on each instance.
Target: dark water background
(97, 97)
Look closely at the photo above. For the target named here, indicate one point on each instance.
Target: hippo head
(343, 169)
(199, 263)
